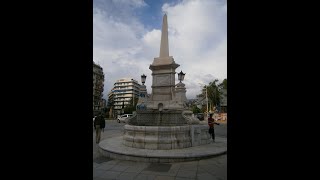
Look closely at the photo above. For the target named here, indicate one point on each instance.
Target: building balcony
(122, 85)
(122, 101)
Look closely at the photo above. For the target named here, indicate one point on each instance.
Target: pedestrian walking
(99, 124)
(211, 124)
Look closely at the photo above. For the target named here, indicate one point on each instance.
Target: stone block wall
(200, 135)
(155, 118)
(165, 137)
(157, 137)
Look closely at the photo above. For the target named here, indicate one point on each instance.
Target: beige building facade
(124, 92)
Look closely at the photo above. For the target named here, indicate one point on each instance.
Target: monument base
(113, 148)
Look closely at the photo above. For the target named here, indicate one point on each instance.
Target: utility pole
(207, 99)
(216, 98)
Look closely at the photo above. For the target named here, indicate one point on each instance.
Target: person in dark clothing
(211, 124)
(99, 124)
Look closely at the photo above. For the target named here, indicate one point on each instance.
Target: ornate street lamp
(181, 76)
(143, 79)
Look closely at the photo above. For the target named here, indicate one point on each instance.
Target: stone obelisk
(163, 69)
(164, 46)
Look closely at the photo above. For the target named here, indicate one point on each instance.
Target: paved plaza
(206, 169)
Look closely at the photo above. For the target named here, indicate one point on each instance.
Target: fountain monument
(163, 121)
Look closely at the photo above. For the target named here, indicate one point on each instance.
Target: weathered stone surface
(128, 137)
(114, 146)
(151, 146)
(159, 137)
(164, 45)
(138, 145)
(128, 143)
(154, 118)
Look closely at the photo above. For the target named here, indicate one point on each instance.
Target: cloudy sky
(126, 39)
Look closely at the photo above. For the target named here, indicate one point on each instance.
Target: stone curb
(114, 149)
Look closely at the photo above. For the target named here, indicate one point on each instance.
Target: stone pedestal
(163, 79)
(180, 93)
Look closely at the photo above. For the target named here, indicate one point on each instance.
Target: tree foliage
(129, 108)
(195, 109)
(214, 91)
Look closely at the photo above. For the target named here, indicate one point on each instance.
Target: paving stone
(127, 176)
(187, 174)
(206, 176)
(192, 167)
(119, 168)
(157, 167)
(145, 177)
(98, 172)
(110, 174)
(164, 178)
(105, 166)
(137, 169)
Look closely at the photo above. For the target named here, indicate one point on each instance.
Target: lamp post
(143, 79)
(143, 91)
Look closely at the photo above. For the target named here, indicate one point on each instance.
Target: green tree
(129, 108)
(214, 91)
(204, 109)
(223, 89)
(223, 85)
(195, 109)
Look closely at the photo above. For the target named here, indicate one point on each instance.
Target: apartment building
(98, 84)
(124, 92)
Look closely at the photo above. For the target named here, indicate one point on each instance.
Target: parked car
(200, 116)
(123, 118)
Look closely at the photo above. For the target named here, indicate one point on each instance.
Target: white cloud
(152, 38)
(197, 41)
(133, 3)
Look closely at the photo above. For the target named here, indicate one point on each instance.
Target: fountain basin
(165, 137)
